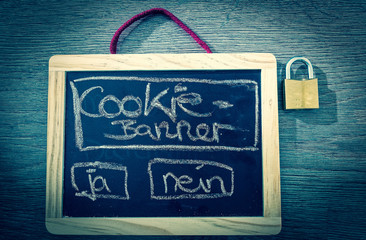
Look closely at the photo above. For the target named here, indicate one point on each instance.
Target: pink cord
(113, 46)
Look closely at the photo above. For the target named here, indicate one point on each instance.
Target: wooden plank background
(322, 152)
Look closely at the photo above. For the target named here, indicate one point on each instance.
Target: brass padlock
(300, 94)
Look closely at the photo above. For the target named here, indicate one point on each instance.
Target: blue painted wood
(323, 152)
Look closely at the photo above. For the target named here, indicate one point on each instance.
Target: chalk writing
(189, 179)
(99, 177)
(222, 104)
(171, 111)
(131, 132)
(192, 118)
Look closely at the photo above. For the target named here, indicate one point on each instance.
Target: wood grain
(165, 226)
(270, 143)
(322, 152)
(55, 143)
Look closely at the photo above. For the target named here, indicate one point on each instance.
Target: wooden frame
(270, 223)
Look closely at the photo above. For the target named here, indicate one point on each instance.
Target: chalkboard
(190, 140)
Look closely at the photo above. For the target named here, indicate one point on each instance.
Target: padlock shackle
(294, 59)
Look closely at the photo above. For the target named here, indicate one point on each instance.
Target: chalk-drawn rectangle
(189, 179)
(152, 113)
(95, 180)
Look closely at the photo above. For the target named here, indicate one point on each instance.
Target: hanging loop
(114, 41)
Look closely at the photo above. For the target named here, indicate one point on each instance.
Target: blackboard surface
(163, 143)
(172, 144)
